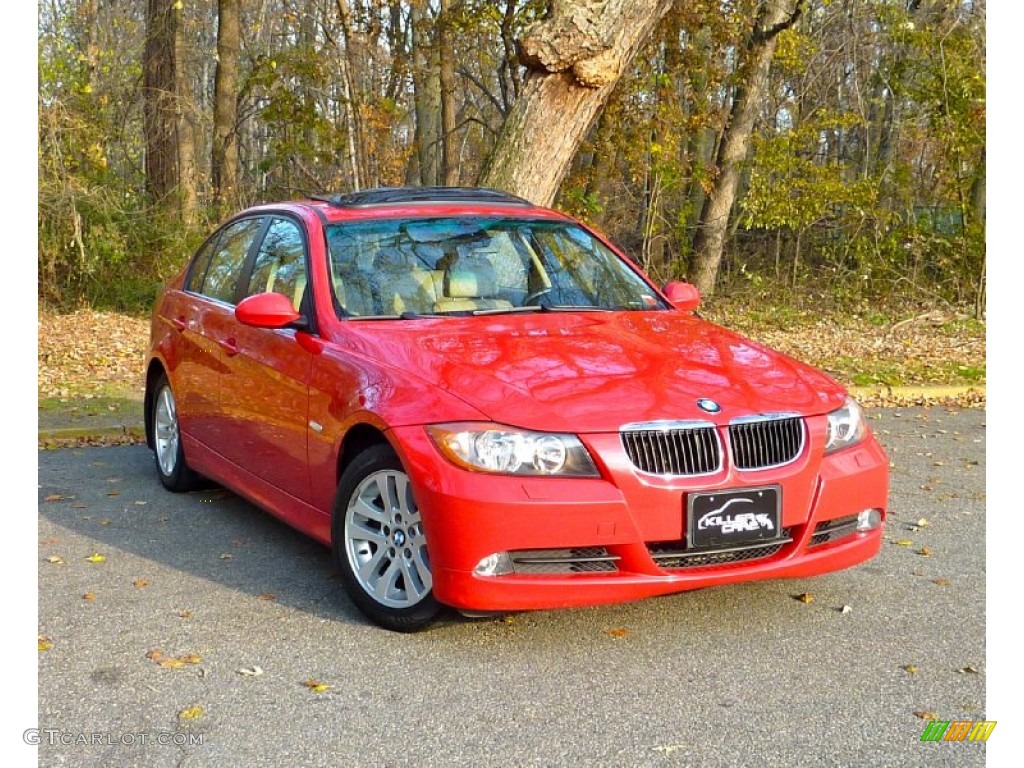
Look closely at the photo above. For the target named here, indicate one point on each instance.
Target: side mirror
(684, 296)
(266, 310)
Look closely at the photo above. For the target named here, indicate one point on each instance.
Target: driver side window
(280, 265)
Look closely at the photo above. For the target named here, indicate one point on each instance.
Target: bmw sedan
(480, 403)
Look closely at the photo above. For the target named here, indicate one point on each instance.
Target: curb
(940, 392)
(92, 433)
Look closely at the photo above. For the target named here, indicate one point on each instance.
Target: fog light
(498, 564)
(869, 519)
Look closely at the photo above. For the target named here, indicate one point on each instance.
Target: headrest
(463, 284)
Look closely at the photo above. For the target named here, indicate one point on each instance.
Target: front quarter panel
(346, 390)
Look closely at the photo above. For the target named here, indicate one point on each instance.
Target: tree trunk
(426, 96)
(159, 101)
(709, 244)
(977, 209)
(449, 163)
(575, 57)
(224, 157)
(188, 196)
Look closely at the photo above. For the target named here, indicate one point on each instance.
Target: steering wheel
(531, 298)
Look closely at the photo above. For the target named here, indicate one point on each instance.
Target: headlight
(846, 426)
(510, 451)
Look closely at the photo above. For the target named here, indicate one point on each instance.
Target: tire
(174, 471)
(378, 543)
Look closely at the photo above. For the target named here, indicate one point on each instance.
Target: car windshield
(477, 265)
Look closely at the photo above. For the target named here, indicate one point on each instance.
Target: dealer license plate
(733, 517)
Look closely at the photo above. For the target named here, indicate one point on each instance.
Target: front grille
(831, 530)
(575, 560)
(674, 451)
(766, 443)
(673, 554)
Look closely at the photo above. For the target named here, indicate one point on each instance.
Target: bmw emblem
(708, 406)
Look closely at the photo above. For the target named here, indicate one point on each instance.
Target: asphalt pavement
(203, 632)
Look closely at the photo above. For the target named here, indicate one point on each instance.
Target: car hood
(595, 371)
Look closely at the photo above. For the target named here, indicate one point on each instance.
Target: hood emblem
(708, 406)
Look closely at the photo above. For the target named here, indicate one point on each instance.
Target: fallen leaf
(155, 654)
(910, 668)
(140, 583)
(925, 714)
(226, 556)
(904, 543)
(923, 522)
(969, 669)
(668, 749)
(316, 686)
(96, 558)
(924, 552)
(191, 713)
(105, 521)
(56, 497)
(113, 493)
(79, 505)
(47, 542)
(185, 614)
(45, 643)
(267, 596)
(804, 597)
(190, 658)
(55, 559)
(846, 609)
(619, 632)
(249, 672)
(171, 663)
(141, 503)
(89, 597)
(941, 582)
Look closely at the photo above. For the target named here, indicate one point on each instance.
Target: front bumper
(629, 516)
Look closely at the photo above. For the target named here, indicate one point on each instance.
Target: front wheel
(379, 545)
(174, 471)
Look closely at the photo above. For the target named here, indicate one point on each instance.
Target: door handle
(229, 345)
(179, 322)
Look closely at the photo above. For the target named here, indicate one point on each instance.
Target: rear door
(206, 329)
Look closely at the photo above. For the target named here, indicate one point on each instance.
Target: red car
(481, 403)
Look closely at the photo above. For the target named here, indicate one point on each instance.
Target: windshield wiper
(404, 316)
(508, 310)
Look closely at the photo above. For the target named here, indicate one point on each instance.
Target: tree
(775, 16)
(575, 58)
(224, 154)
(160, 109)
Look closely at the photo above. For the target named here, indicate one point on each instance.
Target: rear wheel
(175, 474)
(379, 545)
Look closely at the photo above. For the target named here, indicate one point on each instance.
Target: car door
(265, 381)
(201, 316)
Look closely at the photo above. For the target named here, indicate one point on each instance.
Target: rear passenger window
(280, 265)
(228, 259)
(200, 264)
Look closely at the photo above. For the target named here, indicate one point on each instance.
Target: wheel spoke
(368, 511)
(422, 566)
(368, 569)
(385, 585)
(362, 531)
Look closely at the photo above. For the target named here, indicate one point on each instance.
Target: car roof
(402, 202)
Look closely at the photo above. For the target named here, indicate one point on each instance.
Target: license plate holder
(733, 517)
